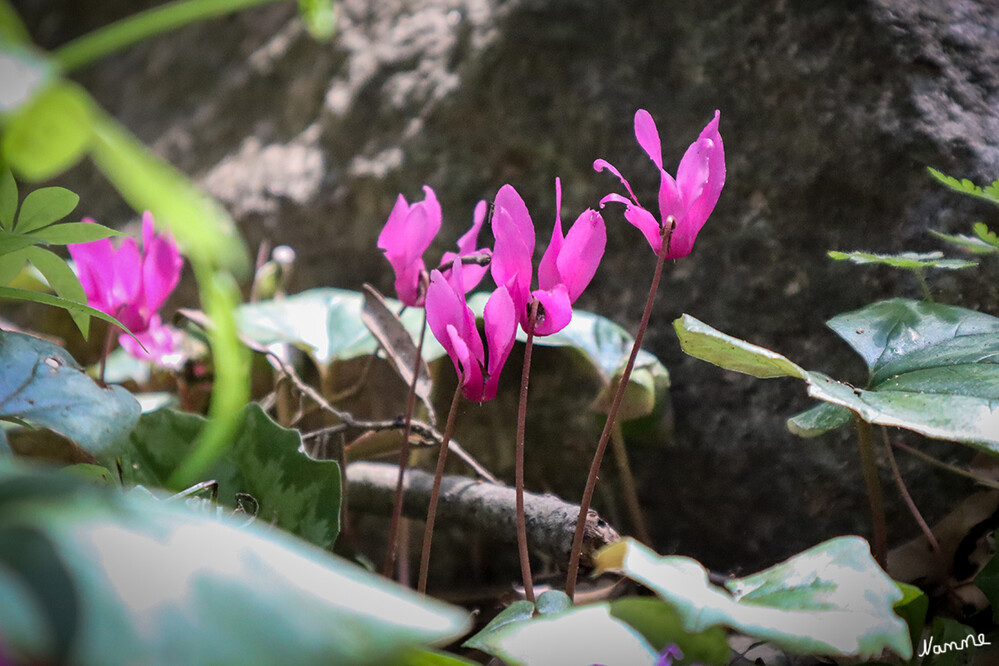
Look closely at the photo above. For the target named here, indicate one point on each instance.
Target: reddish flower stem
(598, 455)
(393, 540)
(525, 559)
(435, 491)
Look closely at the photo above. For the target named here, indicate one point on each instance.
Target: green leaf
(8, 198)
(12, 263)
(819, 420)
(142, 577)
(551, 602)
(935, 369)
(985, 234)
(50, 133)
(319, 17)
(205, 232)
(912, 608)
(292, 491)
(965, 186)
(44, 206)
(708, 344)
(832, 599)
(41, 383)
(518, 611)
(661, 625)
(578, 637)
(418, 657)
(75, 232)
(12, 242)
(886, 330)
(63, 281)
(967, 243)
(325, 323)
(907, 260)
(47, 299)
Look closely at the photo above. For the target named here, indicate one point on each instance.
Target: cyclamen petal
(472, 273)
(581, 252)
(554, 310)
(407, 234)
(501, 331)
(132, 285)
(689, 199)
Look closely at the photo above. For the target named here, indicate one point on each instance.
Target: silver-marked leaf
(128, 579)
(819, 420)
(41, 384)
(832, 599)
(292, 491)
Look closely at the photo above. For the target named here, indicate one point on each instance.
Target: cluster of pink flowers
(566, 268)
(131, 285)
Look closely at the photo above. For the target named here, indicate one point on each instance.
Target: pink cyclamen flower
(408, 233)
(568, 265)
(131, 285)
(453, 324)
(689, 199)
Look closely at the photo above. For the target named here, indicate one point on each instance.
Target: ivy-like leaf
(934, 369)
(44, 206)
(292, 491)
(41, 384)
(907, 260)
(832, 599)
(127, 576)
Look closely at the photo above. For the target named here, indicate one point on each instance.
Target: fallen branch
(486, 507)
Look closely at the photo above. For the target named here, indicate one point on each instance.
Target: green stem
(428, 530)
(869, 466)
(128, 31)
(525, 560)
(404, 456)
(598, 455)
(628, 486)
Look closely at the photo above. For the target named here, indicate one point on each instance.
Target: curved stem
(128, 31)
(428, 531)
(598, 455)
(393, 540)
(913, 509)
(869, 466)
(925, 457)
(525, 560)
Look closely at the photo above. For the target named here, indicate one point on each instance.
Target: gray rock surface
(830, 113)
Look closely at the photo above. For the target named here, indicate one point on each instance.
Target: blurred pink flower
(408, 233)
(566, 268)
(689, 199)
(131, 285)
(453, 324)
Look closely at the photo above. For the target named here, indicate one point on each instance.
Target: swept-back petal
(468, 368)
(501, 331)
(554, 311)
(692, 174)
(161, 265)
(648, 136)
(604, 165)
(161, 342)
(708, 167)
(127, 266)
(513, 251)
(472, 273)
(581, 253)
(93, 266)
(548, 269)
(392, 238)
